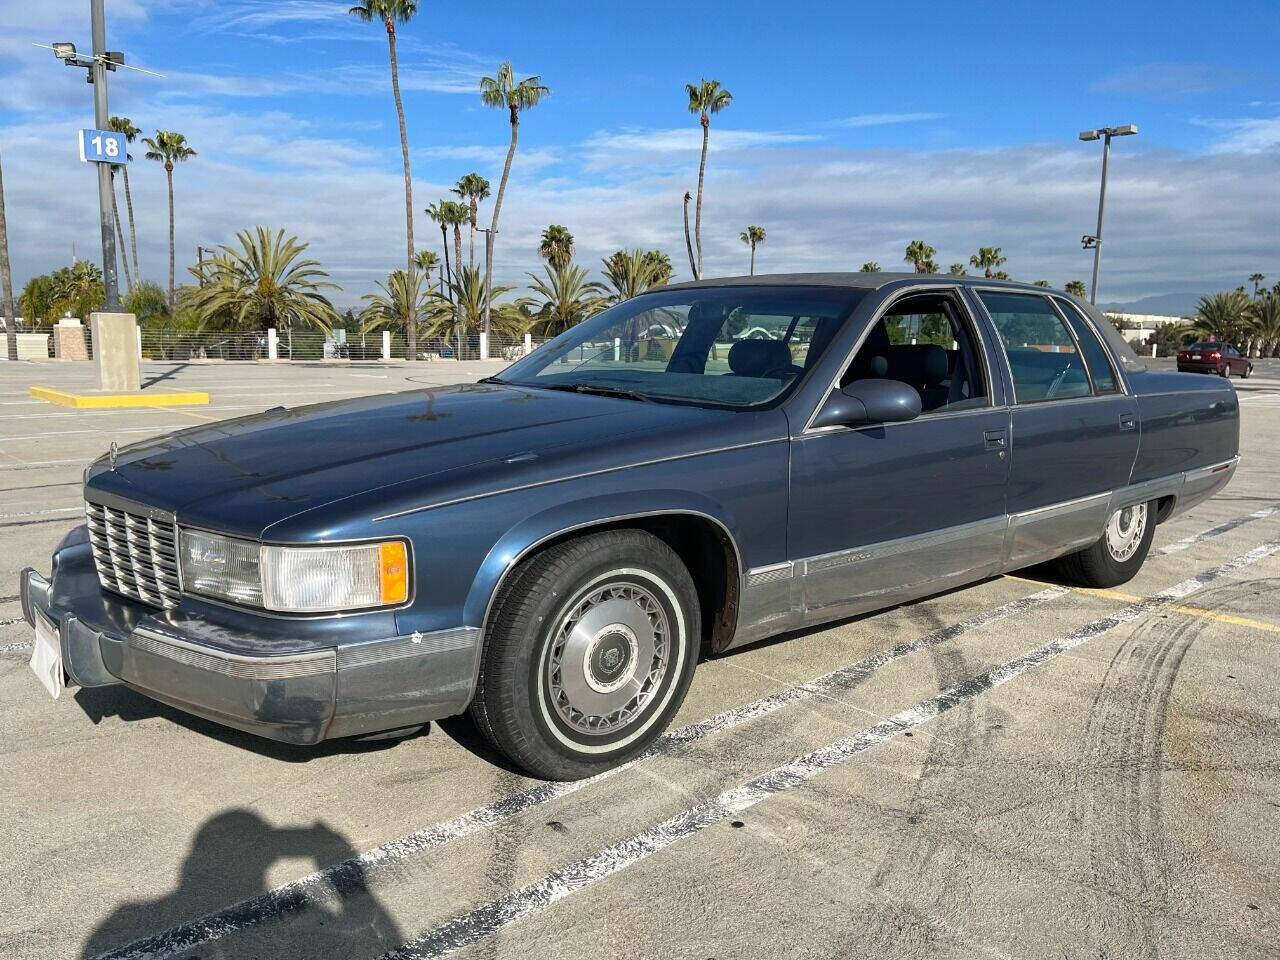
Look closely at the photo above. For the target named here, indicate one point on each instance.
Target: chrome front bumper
(360, 685)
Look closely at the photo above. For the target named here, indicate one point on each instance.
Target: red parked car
(1213, 357)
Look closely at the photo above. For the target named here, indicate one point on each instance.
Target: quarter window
(1104, 378)
(1042, 353)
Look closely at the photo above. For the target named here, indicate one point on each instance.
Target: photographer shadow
(222, 886)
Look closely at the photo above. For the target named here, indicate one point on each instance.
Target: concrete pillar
(528, 344)
(484, 346)
(273, 344)
(1153, 348)
(386, 344)
(617, 349)
(115, 349)
(138, 331)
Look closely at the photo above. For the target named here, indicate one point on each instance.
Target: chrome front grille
(135, 555)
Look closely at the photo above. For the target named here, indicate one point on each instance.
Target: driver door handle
(1128, 421)
(994, 439)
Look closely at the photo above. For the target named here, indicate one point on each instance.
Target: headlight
(321, 579)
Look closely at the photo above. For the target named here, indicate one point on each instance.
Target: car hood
(245, 474)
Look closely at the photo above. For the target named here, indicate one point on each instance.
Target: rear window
(1205, 345)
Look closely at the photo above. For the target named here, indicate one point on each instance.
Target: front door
(884, 513)
(1075, 433)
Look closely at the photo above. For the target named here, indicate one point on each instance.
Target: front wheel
(1248, 372)
(589, 653)
(1118, 554)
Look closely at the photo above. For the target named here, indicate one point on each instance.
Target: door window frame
(1063, 305)
(976, 328)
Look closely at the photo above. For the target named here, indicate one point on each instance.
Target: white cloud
(883, 119)
(1169, 79)
(1244, 134)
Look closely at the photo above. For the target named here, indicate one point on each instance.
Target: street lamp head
(64, 51)
(1126, 130)
(1090, 134)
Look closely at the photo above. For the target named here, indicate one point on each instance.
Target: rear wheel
(590, 650)
(1224, 370)
(1248, 372)
(1118, 554)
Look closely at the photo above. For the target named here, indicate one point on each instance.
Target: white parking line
(78, 508)
(1179, 545)
(475, 925)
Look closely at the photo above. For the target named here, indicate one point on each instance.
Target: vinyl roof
(862, 281)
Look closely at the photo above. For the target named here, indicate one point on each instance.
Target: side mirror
(869, 401)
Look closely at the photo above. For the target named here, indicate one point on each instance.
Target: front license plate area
(46, 657)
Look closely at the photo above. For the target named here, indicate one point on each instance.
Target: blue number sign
(102, 146)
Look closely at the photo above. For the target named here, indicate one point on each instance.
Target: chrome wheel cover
(1125, 530)
(608, 656)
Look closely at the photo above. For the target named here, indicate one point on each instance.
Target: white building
(1139, 326)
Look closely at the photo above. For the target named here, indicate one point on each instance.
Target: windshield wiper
(600, 391)
(491, 380)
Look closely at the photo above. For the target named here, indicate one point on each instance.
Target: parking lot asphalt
(1015, 769)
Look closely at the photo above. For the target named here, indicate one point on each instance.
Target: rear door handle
(1128, 421)
(994, 439)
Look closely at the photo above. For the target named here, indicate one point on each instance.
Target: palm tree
(455, 215)
(705, 98)
(465, 307)
(389, 12)
(987, 259)
(1264, 318)
(265, 283)
(1041, 283)
(920, 255)
(426, 261)
(661, 264)
(1256, 279)
(1222, 316)
(439, 212)
(6, 281)
(76, 289)
(957, 270)
(473, 188)
(389, 307)
(556, 245)
(131, 133)
(568, 297)
(503, 92)
(629, 273)
(753, 236)
(168, 148)
(688, 243)
(1075, 288)
(869, 267)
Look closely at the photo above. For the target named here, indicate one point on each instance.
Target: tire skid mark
(491, 918)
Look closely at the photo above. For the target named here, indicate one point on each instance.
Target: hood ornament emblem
(114, 451)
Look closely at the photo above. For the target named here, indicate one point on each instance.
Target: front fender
(525, 537)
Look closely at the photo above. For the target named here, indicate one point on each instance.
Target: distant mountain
(1162, 304)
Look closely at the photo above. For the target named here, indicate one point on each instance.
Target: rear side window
(1104, 377)
(1042, 354)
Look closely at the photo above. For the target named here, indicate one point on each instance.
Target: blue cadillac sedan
(555, 548)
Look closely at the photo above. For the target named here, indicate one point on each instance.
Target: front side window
(927, 342)
(1042, 354)
(1104, 378)
(736, 347)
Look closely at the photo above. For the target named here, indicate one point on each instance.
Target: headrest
(922, 363)
(757, 358)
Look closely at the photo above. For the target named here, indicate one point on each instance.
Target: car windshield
(718, 346)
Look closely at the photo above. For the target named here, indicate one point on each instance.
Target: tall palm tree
(629, 273)
(957, 270)
(753, 236)
(169, 148)
(869, 267)
(556, 245)
(502, 92)
(987, 259)
(1075, 288)
(1223, 316)
(115, 213)
(266, 282)
(688, 243)
(131, 133)
(920, 255)
(6, 281)
(1256, 279)
(455, 215)
(473, 188)
(439, 212)
(705, 98)
(426, 261)
(389, 12)
(568, 297)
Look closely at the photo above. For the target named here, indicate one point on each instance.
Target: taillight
(1215, 355)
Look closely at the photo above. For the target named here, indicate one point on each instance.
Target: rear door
(1074, 429)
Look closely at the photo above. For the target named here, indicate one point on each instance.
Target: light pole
(1095, 241)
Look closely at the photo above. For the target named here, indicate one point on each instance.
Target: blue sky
(853, 130)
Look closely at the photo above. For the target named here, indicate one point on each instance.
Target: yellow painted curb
(88, 401)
